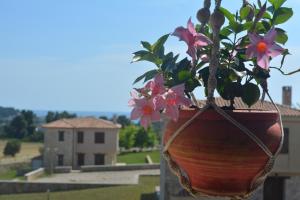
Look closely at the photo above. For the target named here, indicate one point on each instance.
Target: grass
(143, 191)
(10, 175)
(135, 158)
(28, 151)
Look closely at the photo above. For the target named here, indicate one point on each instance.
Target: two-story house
(80, 141)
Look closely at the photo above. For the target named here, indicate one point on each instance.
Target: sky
(75, 55)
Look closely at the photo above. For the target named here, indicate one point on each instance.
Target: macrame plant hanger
(210, 103)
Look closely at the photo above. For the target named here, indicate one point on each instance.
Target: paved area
(111, 177)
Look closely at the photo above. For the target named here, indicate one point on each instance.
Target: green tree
(17, 128)
(127, 136)
(123, 120)
(145, 138)
(103, 117)
(12, 147)
(53, 116)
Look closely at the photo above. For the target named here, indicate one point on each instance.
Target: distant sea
(43, 113)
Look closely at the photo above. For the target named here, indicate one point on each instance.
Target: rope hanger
(210, 103)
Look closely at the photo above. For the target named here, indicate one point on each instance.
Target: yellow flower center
(147, 110)
(261, 47)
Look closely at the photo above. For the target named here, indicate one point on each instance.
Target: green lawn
(135, 158)
(143, 191)
(10, 175)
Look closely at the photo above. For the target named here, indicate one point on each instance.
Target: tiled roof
(87, 122)
(239, 104)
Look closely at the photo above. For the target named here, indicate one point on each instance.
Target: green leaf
(244, 12)
(158, 45)
(236, 27)
(247, 26)
(227, 14)
(169, 62)
(277, 3)
(281, 36)
(146, 45)
(282, 15)
(146, 56)
(147, 76)
(184, 75)
(225, 32)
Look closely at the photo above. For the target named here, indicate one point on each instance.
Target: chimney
(287, 96)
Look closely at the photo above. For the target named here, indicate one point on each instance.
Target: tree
(53, 116)
(123, 120)
(145, 138)
(17, 128)
(103, 117)
(12, 147)
(127, 136)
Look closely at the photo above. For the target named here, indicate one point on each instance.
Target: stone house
(80, 141)
(284, 182)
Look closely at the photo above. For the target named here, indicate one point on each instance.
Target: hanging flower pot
(218, 158)
(217, 151)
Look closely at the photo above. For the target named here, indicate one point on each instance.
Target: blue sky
(75, 55)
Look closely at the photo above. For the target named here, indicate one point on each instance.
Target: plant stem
(284, 73)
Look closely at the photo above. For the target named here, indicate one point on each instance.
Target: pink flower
(193, 39)
(263, 48)
(145, 109)
(173, 99)
(134, 96)
(156, 86)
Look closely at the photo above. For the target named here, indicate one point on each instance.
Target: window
(61, 136)
(60, 160)
(99, 137)
(99, 159)
(80, 137)
(80, 159)
(285, 146)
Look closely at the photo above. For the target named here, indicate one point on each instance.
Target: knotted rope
(210, 103)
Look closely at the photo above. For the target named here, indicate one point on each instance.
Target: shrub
(12, 147)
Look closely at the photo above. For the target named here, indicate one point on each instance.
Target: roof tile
(86, 122)
(266, 105)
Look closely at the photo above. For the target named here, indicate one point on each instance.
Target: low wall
(9, 166)
(94, 168)
(13, 187)
(34, 174)
(63, 169)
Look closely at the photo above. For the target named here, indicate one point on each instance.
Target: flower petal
(275, 50)
(172, 112)
(251, 51)
(178, 89)
(159, 103)
(263, 61)
(270, 36)
(201, 40)
(155, 117)
(191, 27)
(254, 38)
(145, 121)
(135, 114)
(183, 34)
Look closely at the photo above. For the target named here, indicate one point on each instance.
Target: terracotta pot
(218, 158)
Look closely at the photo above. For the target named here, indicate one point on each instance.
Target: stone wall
(12, 187)
(94, 168)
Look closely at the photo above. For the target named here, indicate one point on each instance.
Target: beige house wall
(290, 163)
(70, 148)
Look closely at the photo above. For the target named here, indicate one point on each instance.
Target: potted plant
(219, 151)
